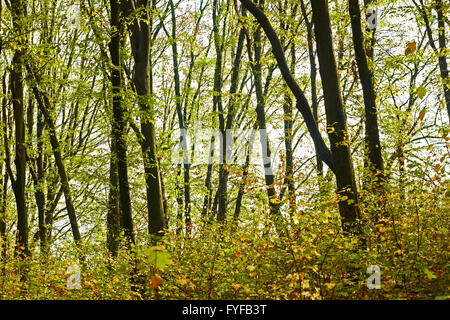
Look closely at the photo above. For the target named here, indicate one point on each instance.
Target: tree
(138, 16)
(339, 159)
(17, 94)
(119, 145)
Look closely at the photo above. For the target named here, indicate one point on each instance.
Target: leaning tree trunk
(45, 106)
(302, 103)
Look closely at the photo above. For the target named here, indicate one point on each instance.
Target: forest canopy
(224, 149)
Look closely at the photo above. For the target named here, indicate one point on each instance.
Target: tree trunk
(17, 80)
(226, 138)
(261, 120)
(140, 45)
(439, 6)
(336, 118)
(375, 159)
(113, 218)
(313, 76)
(119, 121)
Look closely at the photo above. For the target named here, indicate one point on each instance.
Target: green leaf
(158, 256)
(421, 92)
(430, 275)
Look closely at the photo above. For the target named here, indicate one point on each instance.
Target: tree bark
(375, 159)
(17, 88)
(313, 76)
(439, 7)
(261, 120)
(140, 45)
(223, 171)
(119, 123)
(336, 118)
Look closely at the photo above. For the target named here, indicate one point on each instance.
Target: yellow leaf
(275, 200)
(430, 275)
(182, 281)
(235, 286)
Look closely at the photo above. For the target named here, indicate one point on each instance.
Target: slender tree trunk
(207, 201)
(439, 6)
(140, 45)
(17, 87)
(182, 124)
(227, 145)
(373, 146)
(245, 169)
(38, 179)
(288, 138)
(261, 119)
(45, 107)
(220, 199)
(3, 195)
(441, 52)
(313, 76)
(113, 218)
(302, 104)
(3, 173)
(336, 118)
(119, 150)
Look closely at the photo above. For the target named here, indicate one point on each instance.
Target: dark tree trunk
(226, 144)
(3, 173)
(375, 159)
(220, 199)
(336, 119)
(119, 144)
(241, 191)
(38, 177)
(440, 53)
(439, 6)
(17, 82)
(113, 218)
(140, 45)
(313, 76)
(261, 120)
